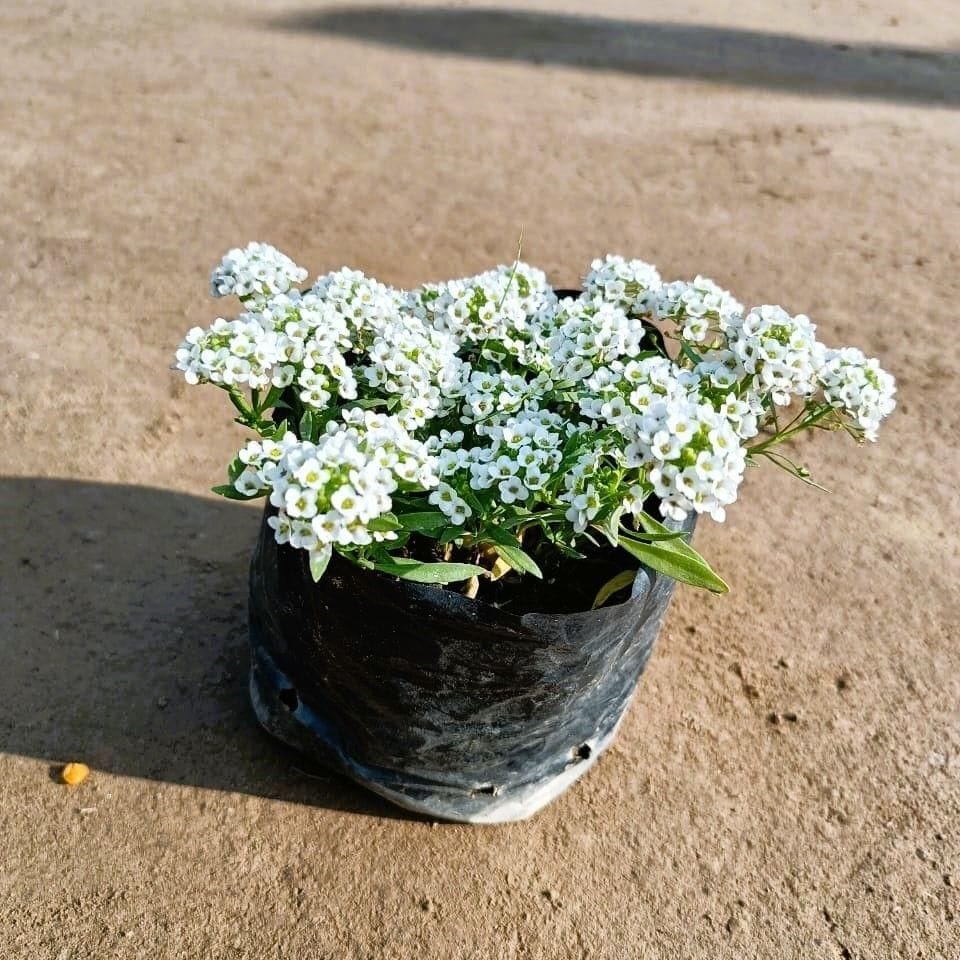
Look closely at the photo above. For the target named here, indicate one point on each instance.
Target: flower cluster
(330, 492)
(416, 367)
(698, 308)
(229, 353)
(778, 351)
(690, 453)
(494, 311)
(517, 456)
(255, 274)
(589, 334)
(463, 409)
(632, 285)
(368, 306)
(489, 394)
(859, 386)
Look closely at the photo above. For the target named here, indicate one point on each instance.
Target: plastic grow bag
(445, 705)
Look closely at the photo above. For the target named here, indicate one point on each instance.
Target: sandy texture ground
(803, 153)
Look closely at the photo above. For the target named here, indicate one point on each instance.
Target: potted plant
(479, 496)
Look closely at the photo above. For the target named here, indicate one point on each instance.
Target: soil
(787, 782)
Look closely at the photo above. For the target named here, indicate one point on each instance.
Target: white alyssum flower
(255, 273)
(589, 334)
(366, 305)
(416, 368)
(779, 351)
(328, 493)
(519, 455)
(490, 395)
(497, 402)
(698, 307)
(691, 452)
(493, 311)
(859, 386)
(632, 285)
(229, 353)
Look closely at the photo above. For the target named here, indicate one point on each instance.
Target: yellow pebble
(74, 773)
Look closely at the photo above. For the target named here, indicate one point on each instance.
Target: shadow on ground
(657, 49)
(124, 645)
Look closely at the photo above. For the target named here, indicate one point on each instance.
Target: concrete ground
(802, 153)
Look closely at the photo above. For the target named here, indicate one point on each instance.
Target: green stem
(237, 399)
(805, 422)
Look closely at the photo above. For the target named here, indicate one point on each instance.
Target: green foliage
(429, 572)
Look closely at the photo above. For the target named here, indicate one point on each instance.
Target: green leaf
(470, 498)
(647, 535)
(610, 527)
(429, 572)
(237, 466)
(270, 400)
(569, 551)
(427, 521)
(531, 518)
(229, 491)
(449, 534)
(653, 529)
(508, 548)
(319, 560)
(306, 425)
(384, 523)
(620, 582)
(690, 353)
(686, 567)
(518, 559)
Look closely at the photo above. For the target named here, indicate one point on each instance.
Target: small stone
(162, 702)
(426, 905)
(74, 773)
(783, 663)
(937, 759)
(733, 926)
(773, 717)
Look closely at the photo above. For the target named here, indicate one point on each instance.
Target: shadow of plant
(123, 617)
(657, 49)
